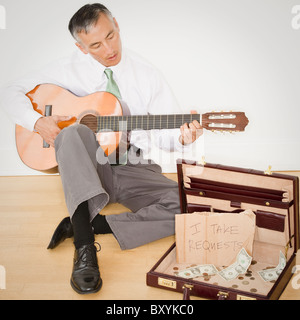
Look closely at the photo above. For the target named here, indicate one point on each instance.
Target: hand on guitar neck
(48, 127)
(190, 132)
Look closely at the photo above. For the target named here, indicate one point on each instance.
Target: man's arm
(19, 108)
(17, 105)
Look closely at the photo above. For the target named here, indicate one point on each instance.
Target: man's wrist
(34, 127)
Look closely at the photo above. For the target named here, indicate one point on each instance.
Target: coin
(234, 286)
(253, 290)
(245, 282)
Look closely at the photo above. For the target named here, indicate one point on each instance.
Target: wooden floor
(30, 209)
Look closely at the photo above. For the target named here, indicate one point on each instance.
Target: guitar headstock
(225, 121)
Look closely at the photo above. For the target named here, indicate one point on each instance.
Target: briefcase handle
(187, 288)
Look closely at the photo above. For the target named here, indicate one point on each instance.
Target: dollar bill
(273, 273)
(240, 266)
(198, 271)
(230, 272)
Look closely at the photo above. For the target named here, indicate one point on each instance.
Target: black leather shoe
(86, 276)
(63, 231)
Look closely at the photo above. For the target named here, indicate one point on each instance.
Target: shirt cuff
(178, 146)
(30, 119)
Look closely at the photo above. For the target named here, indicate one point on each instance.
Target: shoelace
(88, 253)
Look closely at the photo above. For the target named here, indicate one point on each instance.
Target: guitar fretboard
(144, 122)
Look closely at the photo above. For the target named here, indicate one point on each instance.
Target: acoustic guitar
(102, 112)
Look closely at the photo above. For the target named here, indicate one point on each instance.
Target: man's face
(102, 42)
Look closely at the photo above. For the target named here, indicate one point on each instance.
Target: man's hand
(190, 132)
(47, 127)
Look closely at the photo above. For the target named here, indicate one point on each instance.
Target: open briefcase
(272, 197)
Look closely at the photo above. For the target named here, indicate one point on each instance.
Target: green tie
(112, 87)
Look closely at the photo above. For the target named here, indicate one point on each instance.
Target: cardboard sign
(213, 238)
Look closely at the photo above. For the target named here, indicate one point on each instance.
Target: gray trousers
(152, 198)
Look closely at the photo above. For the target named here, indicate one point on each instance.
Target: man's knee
(74, 132)
(80, 128)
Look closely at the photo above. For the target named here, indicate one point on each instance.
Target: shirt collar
(117, 69)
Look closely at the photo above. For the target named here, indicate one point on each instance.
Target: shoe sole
(85, 292)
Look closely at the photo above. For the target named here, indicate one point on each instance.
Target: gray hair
(86, 17)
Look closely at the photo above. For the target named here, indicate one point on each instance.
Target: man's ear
(116, 24)
(81, 47)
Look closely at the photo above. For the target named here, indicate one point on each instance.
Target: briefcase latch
(222, 295)
(187, 288)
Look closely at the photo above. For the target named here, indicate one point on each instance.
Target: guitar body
(64, 103)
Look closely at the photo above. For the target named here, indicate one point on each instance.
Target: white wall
(216, 55)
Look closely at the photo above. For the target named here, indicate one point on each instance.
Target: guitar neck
(144, 122)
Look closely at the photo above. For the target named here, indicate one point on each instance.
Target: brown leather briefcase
(273, 198)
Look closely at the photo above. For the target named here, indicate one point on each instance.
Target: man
(102, 64)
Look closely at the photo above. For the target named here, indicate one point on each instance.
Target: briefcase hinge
(268, 172)
(202, 162)
(288, 245)
(222, 295)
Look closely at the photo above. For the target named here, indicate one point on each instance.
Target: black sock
(83, 231)
(100, 225)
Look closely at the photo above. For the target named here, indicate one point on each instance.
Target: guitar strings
(144, 121)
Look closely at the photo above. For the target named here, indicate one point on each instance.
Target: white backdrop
(241, 55)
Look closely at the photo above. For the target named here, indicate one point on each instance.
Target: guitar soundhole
(90, 121)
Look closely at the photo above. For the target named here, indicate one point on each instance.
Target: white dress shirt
(141, 86)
